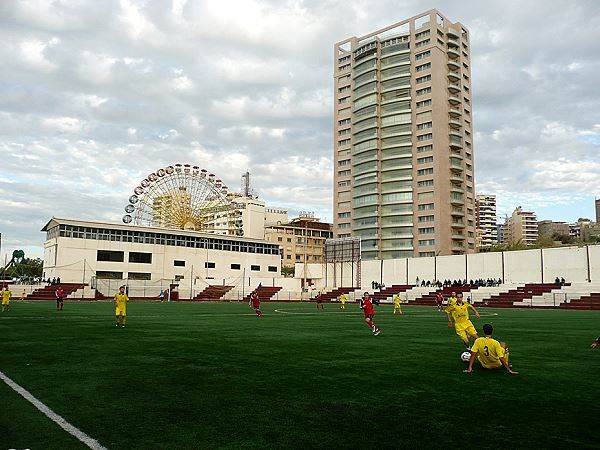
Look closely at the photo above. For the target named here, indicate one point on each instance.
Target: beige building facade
(522, 227)
(549, 228)
(486, 219)
(302, 240)
(246, 216)
(403, 147)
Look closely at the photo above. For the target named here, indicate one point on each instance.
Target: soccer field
(200, 375)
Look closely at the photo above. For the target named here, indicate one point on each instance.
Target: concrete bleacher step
(265, 293)
(562, 294)
(212, 293)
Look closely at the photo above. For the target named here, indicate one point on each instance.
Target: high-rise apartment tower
(403, 150)
(485, 213)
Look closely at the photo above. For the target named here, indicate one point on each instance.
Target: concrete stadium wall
(575, 264)
(484, 265)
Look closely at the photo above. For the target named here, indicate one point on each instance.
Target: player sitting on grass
(5, 299)
(367, 306)
(459, 313)
(490, 353)
(121, 300)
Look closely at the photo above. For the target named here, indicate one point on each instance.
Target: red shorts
(369, 316)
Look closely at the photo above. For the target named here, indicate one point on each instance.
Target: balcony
(456, 178)
(457, 201)
(452, 65)
(453, 42)
(452, 53)
(457, 212)
(452, 34)
(454, 87)
(362, 70)
(455, 143)
(458, 225)
(455, 123)
(455, 112)
(454, 76)
(455, 167)
(364, 226)
(458, 237)
(454, 100)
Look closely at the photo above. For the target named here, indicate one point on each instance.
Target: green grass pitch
(216, 376)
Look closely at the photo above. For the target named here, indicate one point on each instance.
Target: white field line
(61, 422)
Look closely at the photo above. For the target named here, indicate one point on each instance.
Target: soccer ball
(465, 356)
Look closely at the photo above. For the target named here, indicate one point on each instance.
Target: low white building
(79, 251)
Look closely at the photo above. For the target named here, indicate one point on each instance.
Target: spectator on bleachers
(562, 281)
(557, 280)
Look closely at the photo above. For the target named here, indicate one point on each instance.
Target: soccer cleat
(377, 333)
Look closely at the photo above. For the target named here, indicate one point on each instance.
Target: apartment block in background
(403, 139)
(522, 227)
(301, 240)
(487, 226)
(551, 228)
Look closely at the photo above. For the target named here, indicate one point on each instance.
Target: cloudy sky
(95, 95)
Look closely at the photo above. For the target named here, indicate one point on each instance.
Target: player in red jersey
(438, 300)
(255, 303)
(319, 299)
(367, 306)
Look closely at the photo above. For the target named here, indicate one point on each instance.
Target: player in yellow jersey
(452, 300)
(397, 307)
(6, 299)
(489, 352)
(343, 301)
(458, 316)
(121, 300)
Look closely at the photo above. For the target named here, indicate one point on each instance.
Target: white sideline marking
(91, 443)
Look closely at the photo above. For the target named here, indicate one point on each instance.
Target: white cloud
(95, 95)
(33, 54)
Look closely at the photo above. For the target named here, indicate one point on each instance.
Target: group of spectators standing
(490, 282)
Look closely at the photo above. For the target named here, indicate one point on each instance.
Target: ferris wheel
(181, 196)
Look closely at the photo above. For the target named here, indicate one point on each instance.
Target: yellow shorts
(467, 331)
(120, 311)
(487, 365)
(5, 302)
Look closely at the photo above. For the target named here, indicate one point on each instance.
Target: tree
(545, 241)
(288, 271)
(27, 267)
(563, 238)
